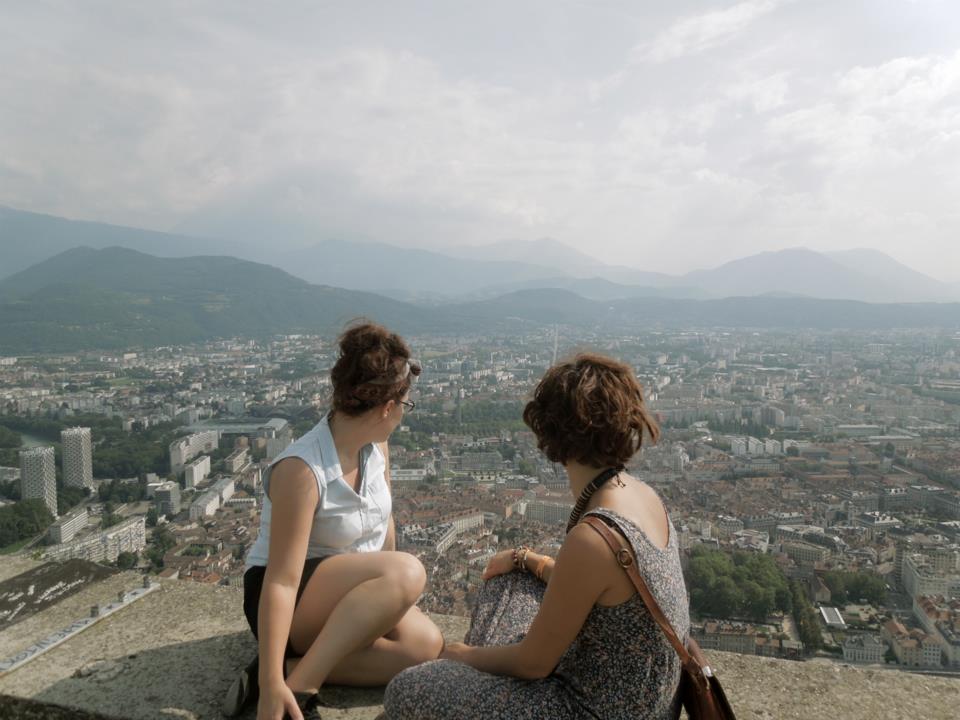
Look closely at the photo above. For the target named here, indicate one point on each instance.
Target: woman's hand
(499, 564)
(276, 702)
(455, 651)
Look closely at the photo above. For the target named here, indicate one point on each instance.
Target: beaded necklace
(588, 492)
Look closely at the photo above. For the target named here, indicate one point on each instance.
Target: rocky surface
(173, 654)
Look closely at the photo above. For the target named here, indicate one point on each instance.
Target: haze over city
(663, 137)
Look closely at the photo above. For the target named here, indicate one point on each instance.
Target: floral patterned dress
(620, 665)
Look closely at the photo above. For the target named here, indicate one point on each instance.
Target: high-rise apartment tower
(77, 457)
(38, 476)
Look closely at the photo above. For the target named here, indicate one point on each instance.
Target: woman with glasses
(325, 591)
(569, 637)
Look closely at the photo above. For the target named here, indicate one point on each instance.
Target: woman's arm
(293, 496)
(540, 565)
(583, 571)
(390, 541)
(502, 563)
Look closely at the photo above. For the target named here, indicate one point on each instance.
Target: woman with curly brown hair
(325, 592)
(570, 638)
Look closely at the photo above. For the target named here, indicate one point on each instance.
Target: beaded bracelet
(520, 557)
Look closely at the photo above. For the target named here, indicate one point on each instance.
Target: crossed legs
(356, 623)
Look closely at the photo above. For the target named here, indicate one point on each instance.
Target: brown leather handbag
(700, 691)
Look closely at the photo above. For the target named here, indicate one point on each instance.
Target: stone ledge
(173, 654)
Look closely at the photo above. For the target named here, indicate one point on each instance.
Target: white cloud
(763, 94)
(312, 125)
(703, 32)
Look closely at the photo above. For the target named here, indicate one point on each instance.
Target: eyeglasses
(408, 404)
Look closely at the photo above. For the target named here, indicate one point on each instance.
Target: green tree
(68, 496)
(161, 541)
(727, 600)
(738, 585)
(127, 560)
(806, 619)
(846, 587)
(23, 520)
(527, 467)
(9, 438)
(10, 489)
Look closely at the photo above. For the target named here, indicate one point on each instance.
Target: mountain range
(461, 274)
(111, 298)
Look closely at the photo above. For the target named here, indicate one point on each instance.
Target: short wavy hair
(590, 410)
(374, 367)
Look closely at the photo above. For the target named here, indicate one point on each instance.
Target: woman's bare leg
(414, 640)
(349, 621)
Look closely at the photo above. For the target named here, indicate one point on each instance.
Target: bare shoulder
(292, 479)
(584, 546)
(651, 515)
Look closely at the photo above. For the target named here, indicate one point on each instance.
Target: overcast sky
(666, 135)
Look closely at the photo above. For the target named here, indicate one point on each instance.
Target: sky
(666, 136)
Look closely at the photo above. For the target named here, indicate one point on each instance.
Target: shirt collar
(331, 461)
(328, 451)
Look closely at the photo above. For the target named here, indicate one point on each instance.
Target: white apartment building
(205, 505)
(128, 536)
(548, 512)
(77, 457)
(464, 521)
(64, 529)
(196, 471)
(224, 489)
(407, 475)
(236, 461)
(276, 445)
(38, 476)
(921, 577)
(187, 448)
(168, 499)
(772, 447)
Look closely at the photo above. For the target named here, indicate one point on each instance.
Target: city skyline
(667, 139)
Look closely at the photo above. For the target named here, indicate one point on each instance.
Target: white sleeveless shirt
(344, 521)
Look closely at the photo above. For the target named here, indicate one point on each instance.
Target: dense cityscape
(813, 478)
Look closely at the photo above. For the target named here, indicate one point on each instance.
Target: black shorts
(253, 586)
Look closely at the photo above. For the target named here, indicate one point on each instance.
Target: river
(29, 441)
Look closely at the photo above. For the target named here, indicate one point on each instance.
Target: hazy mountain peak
(908, 283)
(543, 251)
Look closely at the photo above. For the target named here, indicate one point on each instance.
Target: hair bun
(369, 372)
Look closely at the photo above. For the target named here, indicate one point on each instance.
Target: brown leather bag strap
(624, 558)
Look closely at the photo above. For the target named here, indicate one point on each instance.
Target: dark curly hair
(374, 367)
(590, 409)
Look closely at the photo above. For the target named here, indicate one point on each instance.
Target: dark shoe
(244, 690)
(309, 704)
